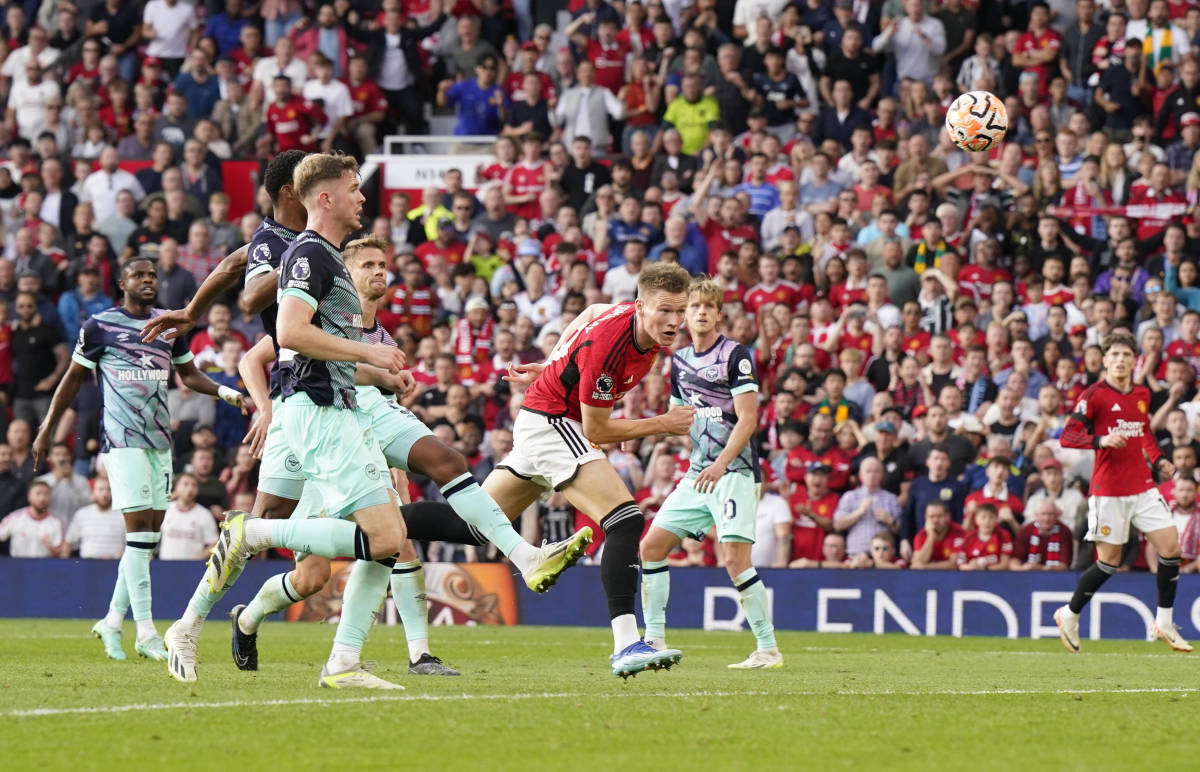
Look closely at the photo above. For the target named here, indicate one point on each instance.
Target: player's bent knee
(310, 575)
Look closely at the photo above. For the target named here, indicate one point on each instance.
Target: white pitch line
(141, 707)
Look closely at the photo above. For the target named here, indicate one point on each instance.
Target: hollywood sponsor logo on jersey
(147, 371)
(703, 411)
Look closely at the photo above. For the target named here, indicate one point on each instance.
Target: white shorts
(548, 450)
(1109, 517)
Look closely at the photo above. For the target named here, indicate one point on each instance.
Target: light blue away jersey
(708, 381)
(133, 378)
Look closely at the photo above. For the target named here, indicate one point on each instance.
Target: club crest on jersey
(712, 373)
(604, 387)
(1141, 406)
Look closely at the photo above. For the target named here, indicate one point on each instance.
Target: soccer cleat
(430, 665)
(761, 659)
(152, 648)
(245, 647)
(356, 677)
(556, 558)
(111, 638)
(229, 553)
(638, 657)
(1068, 628)
(1171, 635)
(181, 654)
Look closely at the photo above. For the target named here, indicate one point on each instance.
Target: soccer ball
(977, 121)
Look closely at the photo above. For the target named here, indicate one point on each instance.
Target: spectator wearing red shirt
(663, 474)
(1159, 191)
(291, 120)
(526, 180)
(995, 492)
(813, 505)
(936, 545)
(369, 106)
(446, 245)
(1037, 49)
(833, 554)
(820, 449)
(728, 231)
(987, 548)
(413, 301)
(770, 290)
(605, 51)
(1044, 543)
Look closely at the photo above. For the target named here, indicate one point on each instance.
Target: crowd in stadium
(922, 318)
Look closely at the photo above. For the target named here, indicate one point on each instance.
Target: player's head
(662, 300)
(366, 259)
(704, 305)
(1120, 350)
(139, 281)
(277, 179)
(327, 185)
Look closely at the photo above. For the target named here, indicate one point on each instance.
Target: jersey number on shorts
(730, 509)
(167, 480)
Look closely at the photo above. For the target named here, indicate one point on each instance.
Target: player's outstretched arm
(226, 276)
(198, 382)
(296, 331)
(601, 428)
(745, 406)
(64, 395)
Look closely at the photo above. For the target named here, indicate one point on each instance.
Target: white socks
(523, 557)
(145, 629)
(342, 658)
(114, 619)
(625, 632)
(417, 648)
(1165, 617)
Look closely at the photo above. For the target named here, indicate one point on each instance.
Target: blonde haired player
(1111, 417)
(716, 376)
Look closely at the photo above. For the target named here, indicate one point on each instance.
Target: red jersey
(609, 62)
(1150, 226)
(760, 295)
(453, 254)
(721, 239)
(842, 294)
(801, 458)
(733, 293)
(807, 536)
(917, 343)
(1071, 393)
(78, 71)
(990, 549)
(1189, 351)
(6, 359)
(596, 367)
(1058, 296)
(243, 64)
(365, 98)
(514, 85)
(978, 281)
(864, 343)
(494, 172)
(523, 179)
(1049, 39)
(1102, 410)
(1006, 499)
(416, 308)
(1054, 548)
(944, 548)
(291, 121)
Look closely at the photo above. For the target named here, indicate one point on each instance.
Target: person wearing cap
(1181, 153)
(887, 448)
(1067, 499)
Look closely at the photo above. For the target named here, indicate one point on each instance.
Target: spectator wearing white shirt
(101, 186)
(917, 41)
(14, 65)
(584, 109)
(27, 100)
(33, 531)
(188, 528)
(620, 284)
(787, 213)
(747, 12)
(169, 26)
(97, 530)
(773, 533)
(535, 302)
(334, 97)
(69, 492)
(268, 68)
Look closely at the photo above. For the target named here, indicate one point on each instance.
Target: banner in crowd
(458, 594)
(411, 174)
(1012, 605)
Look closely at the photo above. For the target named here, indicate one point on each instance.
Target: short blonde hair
(366, 242)
(708, 290)
(320, 167)
(663, 277)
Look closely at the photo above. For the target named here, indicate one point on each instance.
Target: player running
(567, 414)
(1111, 417)
(136, 437)
(716, 376)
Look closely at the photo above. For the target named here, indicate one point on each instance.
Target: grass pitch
(539, 698)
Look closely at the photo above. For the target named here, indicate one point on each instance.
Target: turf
(534, 698)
